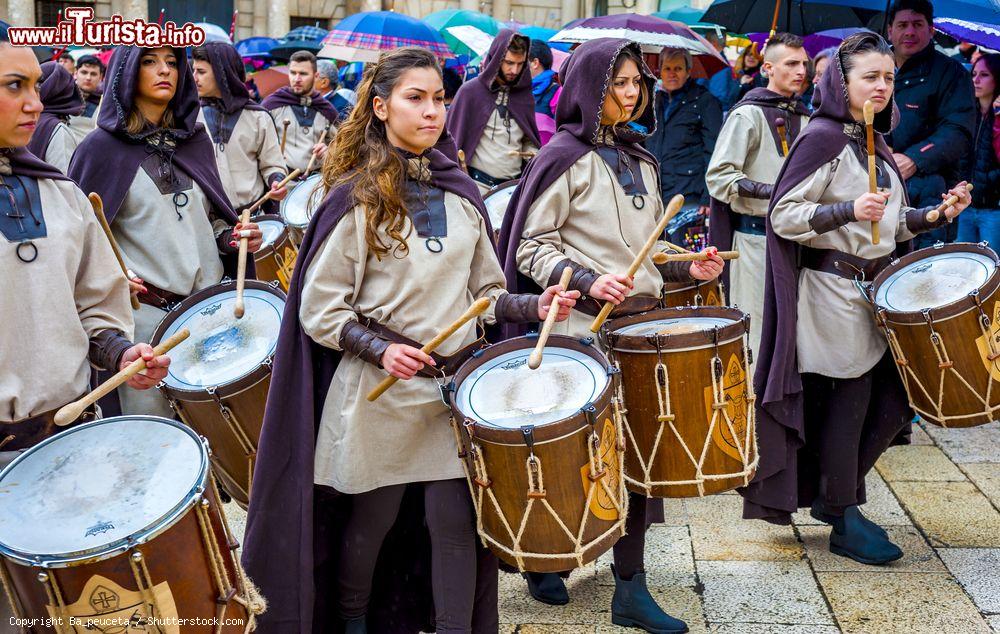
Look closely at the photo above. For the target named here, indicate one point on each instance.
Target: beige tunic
(250, 157)
(61, 147)
(80, 126)
(493, 154)
(836, 334)
(53, 306)
(174, 254)
(405, 435)
(586, 216)
(300, 140)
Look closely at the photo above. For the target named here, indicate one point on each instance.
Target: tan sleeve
(268, 149)
(540, 248)
(332, 282)
(793, 213)
(486, 279)
(61, 148)
(737, 140)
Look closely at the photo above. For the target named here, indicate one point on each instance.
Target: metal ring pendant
(34, 251)
(638, 201)
(432, 241)
(180, 199)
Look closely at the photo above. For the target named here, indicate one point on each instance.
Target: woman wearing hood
(53, 140)
(589, 200)
(831, 404)
(153, 166)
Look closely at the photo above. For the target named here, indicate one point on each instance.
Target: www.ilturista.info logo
(78, 28)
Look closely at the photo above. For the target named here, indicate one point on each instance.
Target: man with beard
(748, 156)
(492, 118)
(310, 116)
(88, 76)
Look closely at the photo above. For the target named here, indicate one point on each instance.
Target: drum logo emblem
(990, 342)
(287, 265)
(734, 388)
(98, 528)
(211, 310)
(105, 606)
(602, 505)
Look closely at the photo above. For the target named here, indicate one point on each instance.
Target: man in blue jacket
(932, 144)
(543, 78)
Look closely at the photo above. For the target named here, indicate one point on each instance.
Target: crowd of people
(351, 497)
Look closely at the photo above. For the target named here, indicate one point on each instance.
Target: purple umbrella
(979, 33)
(816, 42)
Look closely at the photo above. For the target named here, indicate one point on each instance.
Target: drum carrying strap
(445, 365)
(842, 264)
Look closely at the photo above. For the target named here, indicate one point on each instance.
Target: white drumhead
(673, 326)
(504, 392)
(95, 485)
(497, 203)
(298, 206)
(221, 348)
(935, 281)
(272, 230)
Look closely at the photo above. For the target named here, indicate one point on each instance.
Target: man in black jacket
(688, 119)
(933, 143)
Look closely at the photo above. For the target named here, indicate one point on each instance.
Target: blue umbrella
(306, 34)
(978, 33)
(796, 16)
(303, 38)
(386, 30)
(980, 11)
(259, 47)
(543, 34)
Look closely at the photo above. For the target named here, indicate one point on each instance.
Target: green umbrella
(441, 20)
(685, 14)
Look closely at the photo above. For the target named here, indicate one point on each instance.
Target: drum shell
(562, 449)
(696, 293)
(689, 365)
(177, 555)
(275, 262)
(958, 326)
(497, 191)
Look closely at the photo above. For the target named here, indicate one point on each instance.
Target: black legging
(452, 527)
(629, 551)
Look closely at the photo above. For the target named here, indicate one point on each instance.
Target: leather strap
(484, 178)
(446, 365)
(842, 264)
(754, 225)
(630, 306)
(28, 432)
(159, 298)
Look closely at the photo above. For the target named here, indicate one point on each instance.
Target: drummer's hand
(135, 285)
(707, 270)
(278, 193)
(611, 288)
(319, 150)
(255, 237)
(870, 207)
(403, 361)
(156, 367)
(964, 200)
(567, 300)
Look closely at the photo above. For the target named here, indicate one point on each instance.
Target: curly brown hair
(362, 156)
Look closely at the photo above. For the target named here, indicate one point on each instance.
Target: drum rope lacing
(480, 486)
(666, 417)
(946, 367)
(9, 592)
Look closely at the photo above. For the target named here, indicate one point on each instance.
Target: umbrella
(543, 34)
(687, 15)
(270, 79)
(214, 32)
(256, 47)
(816, 42)
(978, 33)
(796, 16)
(385, 30)
(975, 11)
(348, 53)
(303, 38)
(441, 20)
(651, 32)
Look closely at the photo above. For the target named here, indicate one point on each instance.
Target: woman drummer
(153, 166)
(589, 201)
(64, 301)
(400, 248)
(832, 399)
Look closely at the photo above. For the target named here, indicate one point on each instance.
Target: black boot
(819, 512)
(357, 625)
(633, 606)
(547, 587)
(851, 538)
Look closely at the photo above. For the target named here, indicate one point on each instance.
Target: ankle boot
(851, 538)
(819, 512)
(633, 606)
(357, 625)
(547, 587)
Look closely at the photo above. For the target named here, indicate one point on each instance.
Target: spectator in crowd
(966, 53)
(543, 78)
(722, 84)
(688, 119)
(932, 144)
(89, 75)
(819, 63)
(748, 67)
(66, 61)
(342, 99)
(982, 221)
(452, 82)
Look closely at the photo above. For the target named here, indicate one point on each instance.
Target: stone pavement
(939, 498)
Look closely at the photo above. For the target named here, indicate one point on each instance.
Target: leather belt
(484, 178)
(631, 306)
(845, 265)
(28, 432)
(445, 365)
(159, 298)
(754, 225)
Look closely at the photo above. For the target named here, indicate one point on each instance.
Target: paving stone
(669, 561)
(917, 464)
(589, 603)
(920, 437)
(718, 533)
(778, 592)
(986, 476)
(917, 555)
(994, 622)
(881, 507)
(911, 603)
(951, 514)
(971, 444)
(531, 628)
(761, 628)
(237, 520)
(978, 570)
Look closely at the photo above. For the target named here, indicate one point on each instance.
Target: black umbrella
(802, 17)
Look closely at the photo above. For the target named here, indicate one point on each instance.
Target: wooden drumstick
(663, 258)
(477, 309)
(312, 159)
(69, 413)
(461, 161)
(779, 123)
(98, 204)
(284, 133)
(671, 245)
(673, 207)
(535, 359)
(934, 214)
(869, 113)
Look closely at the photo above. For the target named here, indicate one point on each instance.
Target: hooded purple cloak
(230, 77)
(24, 163)
(477, 99)
(776, 492)
(285, 97)
(61, 99)
(773, 105)
(280, 552)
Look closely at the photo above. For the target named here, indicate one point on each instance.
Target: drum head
(673, 326)
(96, 487)
(299, 205)
(935, 281)
(497, 200)
(272, 230)
(221, 348)
(505, 393)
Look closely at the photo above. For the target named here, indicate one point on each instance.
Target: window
(296, 21)
(47, 11)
